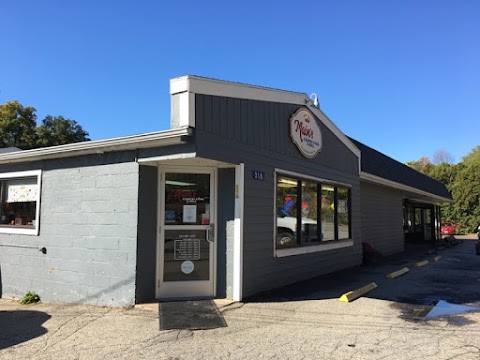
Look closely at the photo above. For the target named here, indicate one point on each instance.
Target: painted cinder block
(88, 222)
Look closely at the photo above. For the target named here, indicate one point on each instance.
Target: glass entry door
(186, 241)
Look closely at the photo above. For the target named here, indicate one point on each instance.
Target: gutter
(131, 142)
(393, 184)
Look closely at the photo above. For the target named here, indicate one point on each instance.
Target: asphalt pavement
(302, 321)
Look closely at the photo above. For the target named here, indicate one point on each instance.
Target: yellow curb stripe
(398, 273)
(352, 295)
(421, 263)
(436, 258)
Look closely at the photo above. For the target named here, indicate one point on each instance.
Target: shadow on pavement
(454, 278)
(18, 326)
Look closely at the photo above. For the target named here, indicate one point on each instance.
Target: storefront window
(309, 212)
(323, 212)
(287, 194)
(19, 195)
(328, 212)
(343, 226)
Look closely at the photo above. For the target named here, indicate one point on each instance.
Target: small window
(20, 199)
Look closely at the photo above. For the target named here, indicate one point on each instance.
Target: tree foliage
(17, 125)
(18, 128)
(56, 130)
(422, 165)
(473, 156)
(463, 181)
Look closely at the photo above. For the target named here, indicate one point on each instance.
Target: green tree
(18, 128)
(56, 130)
(17, 125)
(463, 182)
(447, 174)
(466, 195)
(422, 165)
(472, 157)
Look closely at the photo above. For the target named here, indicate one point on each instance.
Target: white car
(287, 230)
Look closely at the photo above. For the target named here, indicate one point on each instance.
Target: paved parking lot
(304, 321)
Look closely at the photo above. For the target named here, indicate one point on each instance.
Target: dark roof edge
(381, 166)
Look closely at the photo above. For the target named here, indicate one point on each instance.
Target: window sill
(18, 229)
(330, 245)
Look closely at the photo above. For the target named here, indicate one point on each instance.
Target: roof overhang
(213, 87)
(189, 159)
(132, 142)
(408, 191)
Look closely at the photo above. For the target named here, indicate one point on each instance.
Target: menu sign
(187, 249)
(305, 133)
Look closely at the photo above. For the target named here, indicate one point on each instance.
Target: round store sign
(187, 267)
(305, 133)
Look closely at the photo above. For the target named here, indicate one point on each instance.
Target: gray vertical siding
(147, 234)
(263, 126)
(261, 269)
(382, 216)
(257, 134)
(88, 224)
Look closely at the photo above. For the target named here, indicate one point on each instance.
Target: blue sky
(402, 76)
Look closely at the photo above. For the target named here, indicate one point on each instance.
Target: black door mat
(192, 315)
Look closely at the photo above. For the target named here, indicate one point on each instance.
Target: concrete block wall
(88, 224)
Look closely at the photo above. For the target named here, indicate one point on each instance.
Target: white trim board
(19, 175)
(326, 246)
(132, 142)
(206, 86)
(238, 233)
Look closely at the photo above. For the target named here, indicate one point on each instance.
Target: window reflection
(187, 199)
(342, 213)
(286, 202)
(309, 212)
(328, 212)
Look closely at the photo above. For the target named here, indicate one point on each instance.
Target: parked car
(286, 230)
(478, 232)
(448, 228)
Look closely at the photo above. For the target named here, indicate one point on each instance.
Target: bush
(30, 298)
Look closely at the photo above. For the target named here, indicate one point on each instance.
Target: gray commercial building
(251, 189)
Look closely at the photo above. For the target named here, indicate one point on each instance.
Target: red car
(448, 228)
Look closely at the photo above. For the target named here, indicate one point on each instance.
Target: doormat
(192, 315)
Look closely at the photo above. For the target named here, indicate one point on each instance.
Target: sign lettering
(305, 133)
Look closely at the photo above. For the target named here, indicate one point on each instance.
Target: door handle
(211, 233)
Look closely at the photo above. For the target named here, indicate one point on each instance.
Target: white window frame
(20, 175)
(324, 246)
